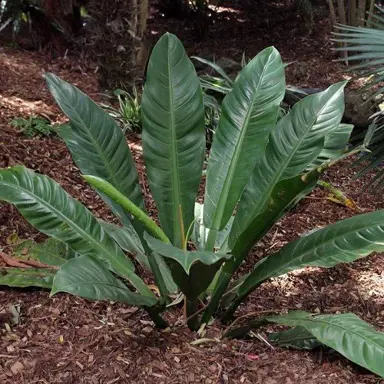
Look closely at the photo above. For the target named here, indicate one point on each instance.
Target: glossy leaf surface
(296, 142)
(173, 135)
(97, 144)
(297, 338)
(343, 242)
(192, 271)
(51, 210)
(346, 333)
(248, 115)
(87, 277)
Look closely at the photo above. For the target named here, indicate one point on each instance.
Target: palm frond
(365, 47)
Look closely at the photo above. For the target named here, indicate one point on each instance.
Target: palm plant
(257, 170)
(366, 45)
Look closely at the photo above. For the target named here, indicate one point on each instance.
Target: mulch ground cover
(65, 339)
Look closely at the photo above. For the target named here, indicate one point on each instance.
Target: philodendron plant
(258, 168)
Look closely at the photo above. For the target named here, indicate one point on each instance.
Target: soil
(65, 339)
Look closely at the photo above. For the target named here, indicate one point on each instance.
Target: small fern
(33, 126)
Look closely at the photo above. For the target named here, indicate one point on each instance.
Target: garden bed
(66, 339)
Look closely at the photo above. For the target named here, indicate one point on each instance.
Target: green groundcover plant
(259, 167)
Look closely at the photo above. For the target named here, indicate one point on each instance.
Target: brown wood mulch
(65, 339)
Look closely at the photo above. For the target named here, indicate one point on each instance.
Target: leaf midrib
(94, 142)
(276, 178)
(316, 320)
(334, 239)
(174, 159)
(219, 213)
(275, 274)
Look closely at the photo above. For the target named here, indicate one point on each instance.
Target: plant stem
(156, 318)
(183, 240)
(191, 307)
(227, 316)
(360, 148)
(188, 235)
(214, 302)
(211, 240)
(108, 189)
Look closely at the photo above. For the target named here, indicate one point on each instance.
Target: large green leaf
(157, 264)
(248, 115)
(192, 271)
(87, 277)
(335, 145)
(130, 242)
(274, 193)
(68, 135)
(296, 142)
(173, 135)
(97, 144)
(27, 277)
(54, 212)
(50, 252)
(355, 339)
(185, 258)
(343, 242)
(285, 194)
(297, 338)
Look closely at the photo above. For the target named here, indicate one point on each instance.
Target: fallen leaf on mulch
(17, 367)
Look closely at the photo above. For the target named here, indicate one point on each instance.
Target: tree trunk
(343, 20)
(361, 13)
(116, 35)
(332, 12)
(352, 13)
(371, 10)
(342, 14)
